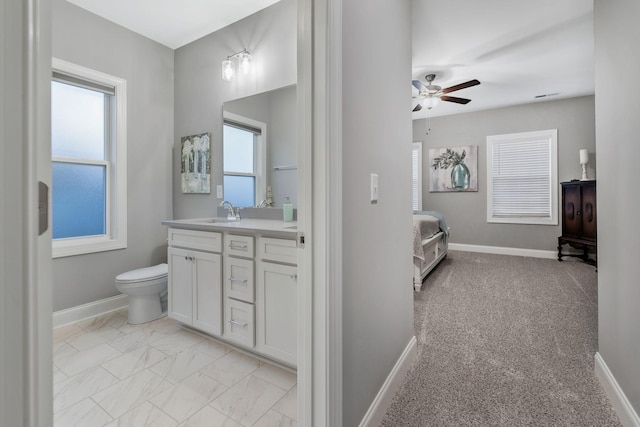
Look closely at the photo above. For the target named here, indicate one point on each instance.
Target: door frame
(320, 215)
(26, 371)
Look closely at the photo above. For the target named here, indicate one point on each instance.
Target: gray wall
(277, 109)
(88, 40)
(617, 130)
(466, 213)
(377, 266)
(270, 36)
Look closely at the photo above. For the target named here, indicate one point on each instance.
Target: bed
(430, 242)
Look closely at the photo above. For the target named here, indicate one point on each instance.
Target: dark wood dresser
(579, 221)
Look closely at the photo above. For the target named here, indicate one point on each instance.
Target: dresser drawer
(195, 239)
(239, 279)
(239, 322)
(279, 250)
(241, 246)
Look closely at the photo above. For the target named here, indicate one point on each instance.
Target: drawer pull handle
(233, 279)
(238, 323)
(238, 247)
(293, 276)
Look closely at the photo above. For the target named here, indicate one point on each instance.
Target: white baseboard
(381, 403)
(92, 309)
(628, 416)
(534, 253)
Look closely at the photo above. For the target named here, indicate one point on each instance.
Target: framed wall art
(453, 169)
(195, 163)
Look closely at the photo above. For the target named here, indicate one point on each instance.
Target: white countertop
(250, 225)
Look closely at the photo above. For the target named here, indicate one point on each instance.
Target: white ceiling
(173, 23)
(516, 49)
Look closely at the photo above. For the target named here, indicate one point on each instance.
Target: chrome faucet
(262, 204)
(231, 214)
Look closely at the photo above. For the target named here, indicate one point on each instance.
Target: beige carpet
(504, 341)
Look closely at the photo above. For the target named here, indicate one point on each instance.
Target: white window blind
(522, 178)
(416, 176)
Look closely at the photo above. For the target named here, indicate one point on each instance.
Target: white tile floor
(110, 373)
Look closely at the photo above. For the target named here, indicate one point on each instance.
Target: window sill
(80, 246)
(523, 220)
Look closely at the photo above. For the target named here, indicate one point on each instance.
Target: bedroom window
(88, 148)
(522, 178)
(243, 152)
(416, 176)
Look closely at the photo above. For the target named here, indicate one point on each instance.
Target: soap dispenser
(287, 210)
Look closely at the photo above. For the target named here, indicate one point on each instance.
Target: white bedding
(424, 226)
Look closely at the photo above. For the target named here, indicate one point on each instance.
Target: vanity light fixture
(229, 67)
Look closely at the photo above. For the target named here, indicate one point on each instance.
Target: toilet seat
(143, 274)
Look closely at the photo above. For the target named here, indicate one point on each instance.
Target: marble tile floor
(110, 373)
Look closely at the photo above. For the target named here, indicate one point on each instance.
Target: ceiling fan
(430, 94)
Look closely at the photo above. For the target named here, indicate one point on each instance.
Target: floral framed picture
(195, 163)
(453, 169)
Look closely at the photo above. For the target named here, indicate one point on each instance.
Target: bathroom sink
(213, 220)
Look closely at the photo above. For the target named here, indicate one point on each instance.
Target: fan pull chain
(429, 126)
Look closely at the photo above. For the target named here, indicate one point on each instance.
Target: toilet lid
(141, 274)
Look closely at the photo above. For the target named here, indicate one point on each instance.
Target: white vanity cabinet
(195, 272)
(237, 285)
(277, 299)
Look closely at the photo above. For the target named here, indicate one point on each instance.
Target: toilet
(146, 288)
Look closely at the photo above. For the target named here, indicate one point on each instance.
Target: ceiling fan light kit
(430, 95)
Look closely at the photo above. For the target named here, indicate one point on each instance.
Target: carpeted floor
(504, 341)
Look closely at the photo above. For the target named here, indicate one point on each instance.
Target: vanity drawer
(279, 250)
(239, 279)
(195, 239)
(239, 322)
(241, 246)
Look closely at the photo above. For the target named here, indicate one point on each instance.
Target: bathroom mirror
(260, 149)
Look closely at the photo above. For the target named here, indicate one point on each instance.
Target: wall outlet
(219, 191)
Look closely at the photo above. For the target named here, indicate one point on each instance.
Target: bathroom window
(88, 148)
(243, 153)
(522, 178)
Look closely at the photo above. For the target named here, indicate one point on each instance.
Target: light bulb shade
(584, 156)
(430, 101)
(244, 59)
(228, 70)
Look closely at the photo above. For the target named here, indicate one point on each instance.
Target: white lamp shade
(584, 156)
(430, 102)
(228, 70)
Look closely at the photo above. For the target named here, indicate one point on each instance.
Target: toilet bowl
(145, 287)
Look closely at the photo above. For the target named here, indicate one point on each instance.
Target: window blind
(521, 179)
(416, 176)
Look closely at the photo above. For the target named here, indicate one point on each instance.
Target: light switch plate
(374, 187)
(219, 191)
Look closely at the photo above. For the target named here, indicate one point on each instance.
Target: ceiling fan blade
(417, 108)
(456, 100)
(418, 85)
(464, 85)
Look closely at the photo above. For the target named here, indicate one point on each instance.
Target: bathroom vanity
(236, 281)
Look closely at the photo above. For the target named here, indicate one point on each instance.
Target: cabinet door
(276, 311)
(571, 211)
(207, 292)
(589, 221)
(179, 286)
